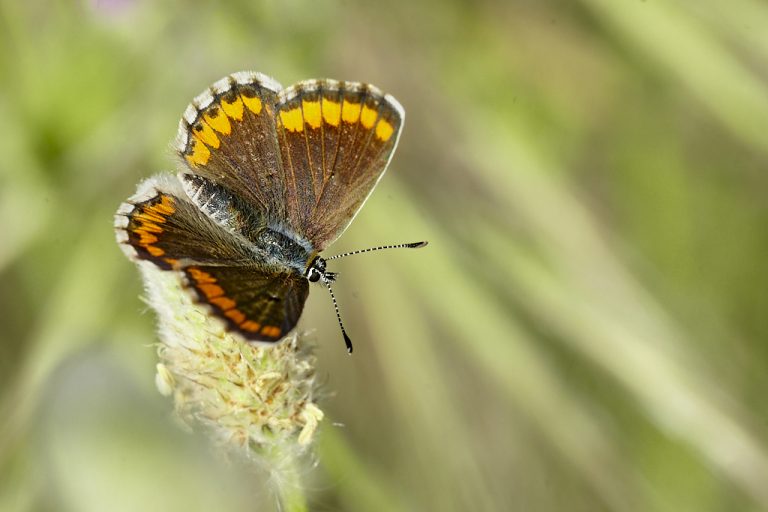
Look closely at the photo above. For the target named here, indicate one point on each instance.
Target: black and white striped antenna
(327, 277)
(347, 341)
(413, 245)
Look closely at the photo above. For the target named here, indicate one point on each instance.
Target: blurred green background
(586, 331)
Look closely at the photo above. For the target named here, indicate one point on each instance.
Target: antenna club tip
(418, 245)
(348, 343)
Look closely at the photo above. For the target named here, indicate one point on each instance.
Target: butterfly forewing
(228, 135)
(336, 140)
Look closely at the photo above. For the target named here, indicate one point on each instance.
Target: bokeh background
(588, 329)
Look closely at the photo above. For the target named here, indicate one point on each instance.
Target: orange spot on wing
(155, 251)
(350, 112)
(195, 272)
(147, 238)
(200, 154)
(368, 117)
(384, 130)
(233, 109)
(250, 325)
(149, 216)
(252, 102)
(223, 302)
(210, 290)
(270, 331)
(312, 115)
(235, 315)
(148, 227)
(200, 276)
(205, 133)
(292, 120)
(331, 112)
(165, 206)
(218, 121)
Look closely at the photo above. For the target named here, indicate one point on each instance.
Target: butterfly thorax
(280, 249)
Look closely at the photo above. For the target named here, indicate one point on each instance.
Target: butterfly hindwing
(258, 304)
(160, 224)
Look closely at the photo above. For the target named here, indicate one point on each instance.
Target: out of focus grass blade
(78, 308)
(743, 22)
(423, 397)
(25, 199)
(598, 306)
(358, 483)
(680, 46)
(489, 335)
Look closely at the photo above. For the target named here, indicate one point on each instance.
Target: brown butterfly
(270, 178)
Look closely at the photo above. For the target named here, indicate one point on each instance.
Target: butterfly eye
(313, 275)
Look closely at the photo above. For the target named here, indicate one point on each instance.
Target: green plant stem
(289, 489)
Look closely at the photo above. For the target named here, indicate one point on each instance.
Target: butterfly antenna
(347, 341)
(413, 245)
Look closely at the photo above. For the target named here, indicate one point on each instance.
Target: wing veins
(306, 142)
(338, 143)
(368, 141)
(262, 98)
(323, 187)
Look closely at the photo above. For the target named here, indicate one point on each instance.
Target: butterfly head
(316, 271)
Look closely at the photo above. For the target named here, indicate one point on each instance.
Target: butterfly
(269, 178)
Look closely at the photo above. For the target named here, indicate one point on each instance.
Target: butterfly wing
(228, 135)
(306, 158)
(161, 225)
(336, 140)
(261, 306)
